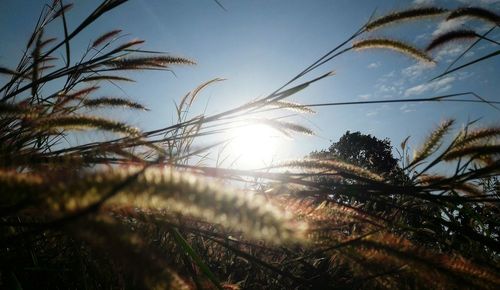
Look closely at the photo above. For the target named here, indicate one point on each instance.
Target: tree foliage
(363, 150)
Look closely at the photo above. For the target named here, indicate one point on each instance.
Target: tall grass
(132, 211)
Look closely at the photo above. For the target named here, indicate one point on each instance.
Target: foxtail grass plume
(451, 36)
(478, 135)
(475, 12)
(148, 62)
(286, 128)
(292, 106)
(112, 102)
(76, 122)
(347, 169)
(184, 193)
(106, 78)
(393, 45)
(432, 142)
(409, 14)
(474, 150)
(105, 37)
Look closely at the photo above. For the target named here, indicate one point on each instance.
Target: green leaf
(179, 239)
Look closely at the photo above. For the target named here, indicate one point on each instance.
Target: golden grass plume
(475, 12)
(76, 122)
(105, 37)
(432, 142)
(112, 102)
(393, 45)
(184, 193)
(404, 15)
(451, 36)
(348, 169)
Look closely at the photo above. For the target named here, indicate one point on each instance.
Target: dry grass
(134, 211)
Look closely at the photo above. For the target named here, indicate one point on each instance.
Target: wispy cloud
(448, 25)
(386, 88)
(375, 111)
(422, 37)
(386, 77)
(439, 86)
(416, 70)
(463, 75)
(407, 108)
(374, 64)
(480, 2)
(423, 2)
(364, 96)
(449, 52)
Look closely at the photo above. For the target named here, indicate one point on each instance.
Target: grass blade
(179, 239)
(66, 39)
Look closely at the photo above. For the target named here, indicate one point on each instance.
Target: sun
(253, 145)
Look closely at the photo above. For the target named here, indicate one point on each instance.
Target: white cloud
(389, 85)
(439, 86)
(386, 77)
(415, 70)
(463, 75)
(446, 26)
(374, 111)
(451, 51)
(386, 88)
(364, 96)
(423, 2)
(408, 108)
(389, 75)
(421, 37)
(374, 64)
(480, 2)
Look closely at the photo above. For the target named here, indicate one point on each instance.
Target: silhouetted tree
(363, 150)
(375, 154)
(414, 218)
(366, 151)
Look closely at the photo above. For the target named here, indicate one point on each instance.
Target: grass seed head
(393, 45)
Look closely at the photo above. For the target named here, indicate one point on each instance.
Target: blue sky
(258, 45)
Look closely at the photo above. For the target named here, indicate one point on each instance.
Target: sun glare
(253, 145)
